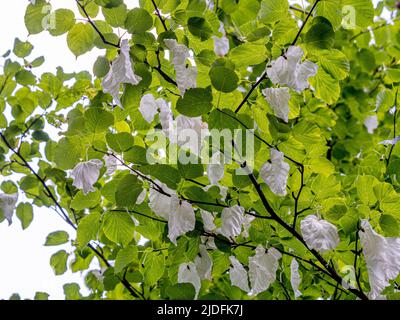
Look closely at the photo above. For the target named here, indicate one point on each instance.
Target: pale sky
(24, 261)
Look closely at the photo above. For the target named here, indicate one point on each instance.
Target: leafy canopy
(337, 168)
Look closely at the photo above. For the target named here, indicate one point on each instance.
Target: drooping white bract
(221, 45)
(232, 219)
(7, 205)
(247, 224)
(215, 169)
(111, 163)
(295, 278)
(85, 175)
(319, 234)
(121, 71)
(390, 142)
(290, 71)
(141, 197)
(238, 275)
(187, 273)
(167, 121)
(185, 76)
(203, 264)
(382, 256)
(181, 220)
(208, 220)
(208, 242)
(275, 174)
(190, 133)
(278, 98)
(149, 106)
(262, 269)
(161, 204)
(371, 123)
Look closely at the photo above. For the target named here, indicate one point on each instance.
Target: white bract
(215, 169)
(275, 174)
(111, 163)
(185, 76)
(371, 123)
(190, 133)
(290, 71)
(238, 275)
(248, 219)
(295, 278)
(181, 220)
(121, 71)
(382, 256)
(203, 264)
(141, 197)
(208, 220)
(278, 99)
(319, 234)
(161, 204)
(86, 174)
(7, 205)
(262, 269)
(187, 273)
(149, 106)
(221, 45)
(232, 219)
(390, 142)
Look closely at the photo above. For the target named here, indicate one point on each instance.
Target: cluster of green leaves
(346, 175)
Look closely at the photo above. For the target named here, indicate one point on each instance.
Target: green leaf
(195, 102)
(124, 257)
(335, 63)
(364, 11)
(138, 20)
(120, 142)
(25, 78)
(68, 153)
(58, 262)
(181, 291)
(163, 172)
(248, 54)
(80, 38)
(71, 291)
(273, 10)
(98, 120)
(22, 49)
(128, 190)
(35, 16)
(320, 35)
(199, 27)
(64, 20)
(101, 67)
(41, 296)
(25, 214)
(116, 16)
(154, 264)
(326, 88)
(330, 10)
(56, 238)
(223, 79)
(109, 3)
(81, 201)
(88, 228)
(118, 227)
(389, 225)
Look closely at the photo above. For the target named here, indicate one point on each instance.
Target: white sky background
(24, 261)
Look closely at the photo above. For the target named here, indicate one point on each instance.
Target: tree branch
(159, 15)
(64, 215)
(102, 37)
